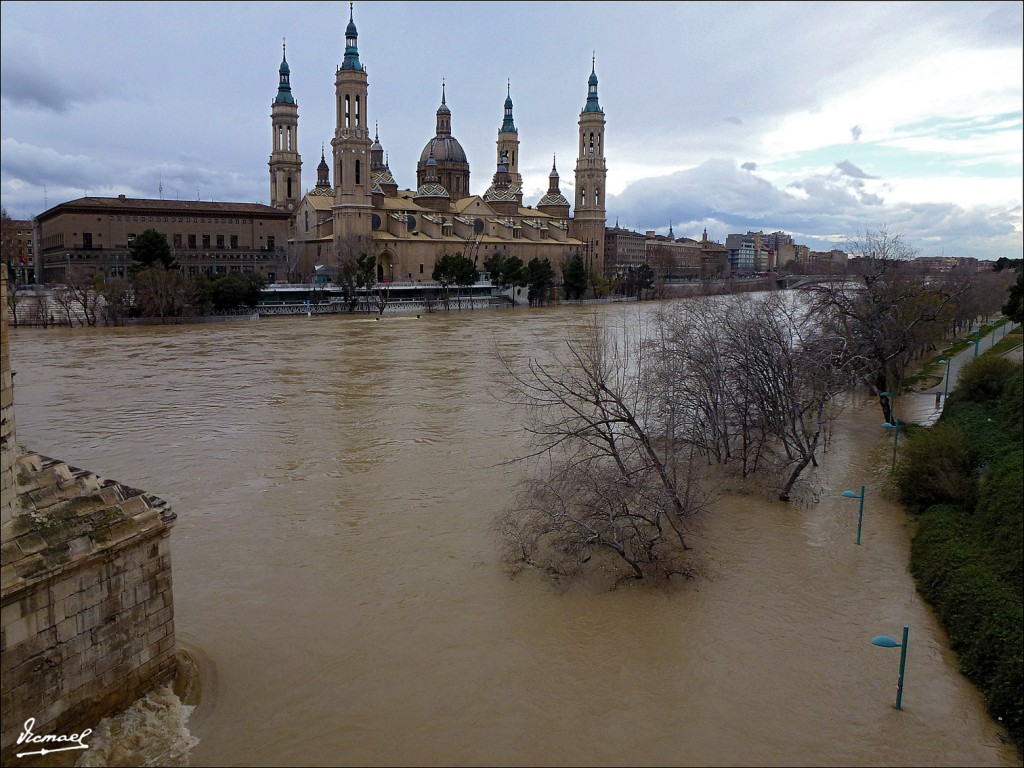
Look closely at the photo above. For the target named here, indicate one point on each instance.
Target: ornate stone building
(408, 230)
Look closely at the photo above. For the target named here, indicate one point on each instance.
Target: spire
(670, 230)
(323, 171)
(592, 104)
(284, 87)
(554, 171)
(508, 125)
(351, 50)
(444, 116)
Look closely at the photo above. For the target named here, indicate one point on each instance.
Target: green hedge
(965, 478)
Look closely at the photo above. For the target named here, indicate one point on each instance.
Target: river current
(336, 576)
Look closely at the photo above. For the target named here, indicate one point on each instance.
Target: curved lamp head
(884, 641)
(883, 394)
(887, 425)
(851, 495)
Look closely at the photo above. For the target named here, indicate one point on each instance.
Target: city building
(89, 237)
(357, 206)
(18, 252)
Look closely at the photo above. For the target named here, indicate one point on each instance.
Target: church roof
(446, 149)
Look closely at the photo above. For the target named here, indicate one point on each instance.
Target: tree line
(627, 418)
(154, 287)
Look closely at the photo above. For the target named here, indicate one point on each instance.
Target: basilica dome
(446, 149)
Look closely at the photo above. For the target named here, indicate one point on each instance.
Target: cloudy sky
(819, 119)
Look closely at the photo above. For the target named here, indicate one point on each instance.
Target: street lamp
(860, 516)
(945, 392)
(887, 425)
(884, 641)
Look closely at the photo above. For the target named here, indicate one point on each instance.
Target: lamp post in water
(884, 641)
(887, 425)
(860, 517)
(945, 392)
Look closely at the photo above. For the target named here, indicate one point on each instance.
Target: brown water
(334, 480)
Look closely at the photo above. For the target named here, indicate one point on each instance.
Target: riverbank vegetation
(627, 419)
(962, 481)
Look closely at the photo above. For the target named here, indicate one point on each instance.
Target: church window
(357, 171)
(289, 194)
(597, 197)
(358, 115)
(583, 196)
(348, 108)
(458, 184)
(307, 221)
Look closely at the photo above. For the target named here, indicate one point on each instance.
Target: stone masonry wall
(8, 438)
(86, 607)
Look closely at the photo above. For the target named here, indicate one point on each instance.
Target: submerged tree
(607, 478)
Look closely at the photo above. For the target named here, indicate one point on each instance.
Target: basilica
(408, 230)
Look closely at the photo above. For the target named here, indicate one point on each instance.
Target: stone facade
(86, 608)
(88, 238)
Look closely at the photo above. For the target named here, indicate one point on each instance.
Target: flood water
(334, 571)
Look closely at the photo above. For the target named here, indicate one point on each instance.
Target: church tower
(591, 173)
(352, 208)
(285, 162)
(508, 147)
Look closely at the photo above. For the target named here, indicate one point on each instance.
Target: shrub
(982, 379)
(937, 468)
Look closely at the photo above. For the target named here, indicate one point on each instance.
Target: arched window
(307, 221)
(357, 171)
(358, 112)
(348, 111)
(597, 197)
(583, 196)
(289, 193)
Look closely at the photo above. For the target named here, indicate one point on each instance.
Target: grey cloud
(856, 132)
(749, 166)
(733, 120)
(833, 202)
(849, 169)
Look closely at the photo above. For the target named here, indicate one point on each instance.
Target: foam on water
(153, 731)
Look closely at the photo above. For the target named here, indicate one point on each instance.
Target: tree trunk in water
(784, 495)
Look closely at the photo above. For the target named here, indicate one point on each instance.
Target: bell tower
(591, 173)
(352, 208)
(508, 146)
(285, 162)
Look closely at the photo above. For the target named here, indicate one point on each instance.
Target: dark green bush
(983, 619)
(982, 379)
(998, 524)
(937, 468)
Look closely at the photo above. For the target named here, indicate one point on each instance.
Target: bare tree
(794, 369)
(117, 300)
(606, 474)
(884, 309)
(163, 293)
(15, 298)
(86, 298)
(63, 297)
